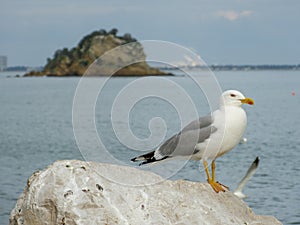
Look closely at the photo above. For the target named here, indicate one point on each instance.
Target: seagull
(208, 137)
(239, 190)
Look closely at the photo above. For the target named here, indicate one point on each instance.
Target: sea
(36, 129)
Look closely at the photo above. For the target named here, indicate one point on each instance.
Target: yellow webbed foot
(226, 187)
(218, 186)
(211, 180)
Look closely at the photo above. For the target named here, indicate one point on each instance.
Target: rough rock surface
(74, 192)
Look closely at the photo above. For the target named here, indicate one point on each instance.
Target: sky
(221, 31)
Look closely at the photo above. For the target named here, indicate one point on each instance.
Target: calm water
(36, 129)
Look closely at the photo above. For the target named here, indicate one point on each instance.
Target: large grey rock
(74, 192)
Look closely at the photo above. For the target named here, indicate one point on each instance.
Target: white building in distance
(3, 62)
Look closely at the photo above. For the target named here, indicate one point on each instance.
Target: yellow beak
(249, 101)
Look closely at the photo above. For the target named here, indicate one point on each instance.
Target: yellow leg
(213, 167)
(205, 164)
(215, 185)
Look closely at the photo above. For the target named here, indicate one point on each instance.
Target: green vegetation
(75, 61)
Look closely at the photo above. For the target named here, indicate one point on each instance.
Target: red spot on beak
(249, 101)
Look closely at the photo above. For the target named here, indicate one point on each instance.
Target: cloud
(232, 15)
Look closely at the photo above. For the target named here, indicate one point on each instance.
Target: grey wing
(197, 124)
(183, 143)
(252, 169)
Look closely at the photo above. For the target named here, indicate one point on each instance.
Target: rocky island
(76, 61)
(78, 192)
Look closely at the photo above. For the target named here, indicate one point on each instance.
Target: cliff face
(77, 192)
(76, 61)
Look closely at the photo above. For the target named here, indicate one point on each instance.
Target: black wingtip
(133, 159)
(148, 156)
(256, 161)
(151, 160)
(144, 162)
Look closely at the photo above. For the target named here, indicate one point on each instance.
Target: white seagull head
(234, 98)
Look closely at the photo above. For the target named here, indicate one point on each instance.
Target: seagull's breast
(230, 123)
(234, 125)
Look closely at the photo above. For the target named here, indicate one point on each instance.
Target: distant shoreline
(211, 67)
(169, 70)
(238, 67)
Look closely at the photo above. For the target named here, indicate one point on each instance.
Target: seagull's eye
(232, 95)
